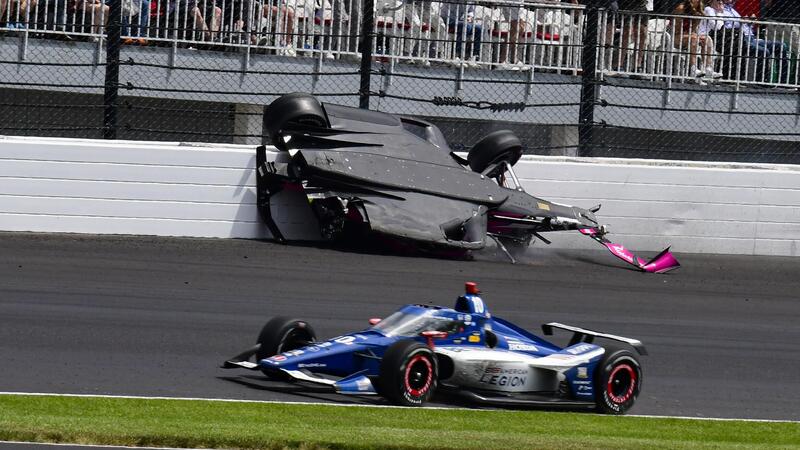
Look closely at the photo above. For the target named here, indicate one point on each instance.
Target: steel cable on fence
(473, 104)
(130, 106)
(685, 150)
(190, 133)
(54, 64)
(54, 128)
(52, 105)
(721, 88)
(690, 110)
(725, 133)
(71, 86)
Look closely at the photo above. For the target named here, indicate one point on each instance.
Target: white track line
(351, 405)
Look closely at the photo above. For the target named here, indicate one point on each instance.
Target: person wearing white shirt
(760, 47)
(693, 33)
(713, 9)
(461, 18)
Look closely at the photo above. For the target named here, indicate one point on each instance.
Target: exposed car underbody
(365, 171)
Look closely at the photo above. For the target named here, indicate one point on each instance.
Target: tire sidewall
(494, 147)
(295, 107)
(275, 332)
(612, 360)
(394, 366)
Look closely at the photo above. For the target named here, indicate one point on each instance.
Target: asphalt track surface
(155, 316)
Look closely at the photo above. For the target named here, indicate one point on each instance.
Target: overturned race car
(366, 172)
(408, 355)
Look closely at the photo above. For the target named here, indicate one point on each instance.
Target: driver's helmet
(471, 302)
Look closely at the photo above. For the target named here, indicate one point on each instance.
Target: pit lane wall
(172, 189)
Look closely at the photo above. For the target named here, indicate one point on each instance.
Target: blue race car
(407, 356)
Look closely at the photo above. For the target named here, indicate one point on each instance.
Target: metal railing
(699, 49)
(490, 34)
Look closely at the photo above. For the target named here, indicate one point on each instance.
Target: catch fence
(568, 79)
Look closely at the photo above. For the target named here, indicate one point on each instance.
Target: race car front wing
(355, 384)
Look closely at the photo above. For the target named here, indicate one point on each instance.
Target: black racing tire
(618, 381)
(502, 145)
(281, 334)
(408, 373)
(297, 109)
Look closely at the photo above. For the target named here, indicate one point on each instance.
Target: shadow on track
(315, 393)
(312, 392)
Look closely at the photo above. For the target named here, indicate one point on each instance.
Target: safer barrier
(171, 189)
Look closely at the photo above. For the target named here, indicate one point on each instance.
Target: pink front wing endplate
(662, 263)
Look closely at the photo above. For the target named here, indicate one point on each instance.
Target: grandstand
(568, 79)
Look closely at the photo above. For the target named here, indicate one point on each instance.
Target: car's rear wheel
(502, 145)
(296, 109)
(408, 373)
(618, 381)
(282, 334)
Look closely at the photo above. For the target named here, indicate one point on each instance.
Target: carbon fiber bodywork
(396, 176)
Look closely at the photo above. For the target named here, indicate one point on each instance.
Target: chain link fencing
(568, 79)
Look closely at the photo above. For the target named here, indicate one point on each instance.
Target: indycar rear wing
(584, 335)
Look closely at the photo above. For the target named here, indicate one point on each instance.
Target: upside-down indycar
(396, 177)
(407, 356)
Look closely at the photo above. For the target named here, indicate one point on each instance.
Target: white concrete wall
(695, 207)
(168, 189)
(83, 186)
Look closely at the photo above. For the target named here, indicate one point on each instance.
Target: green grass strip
(215, 424)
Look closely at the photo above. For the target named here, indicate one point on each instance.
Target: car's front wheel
(618, 381)
(502, 145)
(408, 373)
(282, 334)
(295, 109)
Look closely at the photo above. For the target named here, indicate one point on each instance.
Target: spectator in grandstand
(508, 51)
(432, 27)
(280, 15)
(236, 20)
(710, 27)
(17, 13)
(608, 21)
(88, 12)
(761, 48)
(138, 10)
(461, 19)
(524, 22)
(197, 19)
(207, 18)
(664, 6)
(345, 24)
(693, 34)
(748, 8)
(787, 13)
(633, 26)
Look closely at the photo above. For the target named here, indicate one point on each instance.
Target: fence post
(365, 40)
(589, 80)
(112, 70)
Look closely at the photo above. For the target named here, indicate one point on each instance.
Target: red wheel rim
(418, 376)
(621, 383)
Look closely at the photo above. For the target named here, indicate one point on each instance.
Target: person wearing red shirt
(749, 8)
